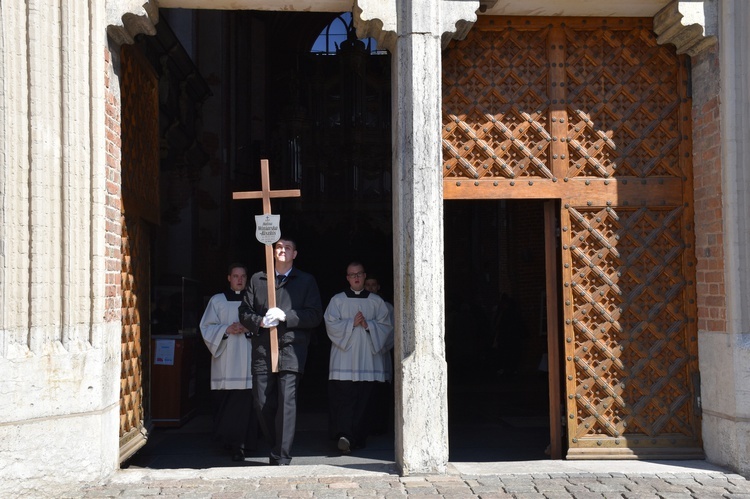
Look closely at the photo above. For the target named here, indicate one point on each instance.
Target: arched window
(340, 30)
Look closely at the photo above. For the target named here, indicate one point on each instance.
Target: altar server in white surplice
(361, 331)
(230, 346)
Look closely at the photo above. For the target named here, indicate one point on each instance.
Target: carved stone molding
(377, 20)
(689, 26)
(136, 20)
(380, 20)
(458, 18)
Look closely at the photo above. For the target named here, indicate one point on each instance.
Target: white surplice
(357, 355)
(231, 357)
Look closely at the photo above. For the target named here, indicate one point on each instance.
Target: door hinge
(696, 378)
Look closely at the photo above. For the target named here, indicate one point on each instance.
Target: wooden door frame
(553, 327)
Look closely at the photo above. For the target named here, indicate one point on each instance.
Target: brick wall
(709, 229)
(113, 255)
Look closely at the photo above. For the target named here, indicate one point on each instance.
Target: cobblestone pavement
(550, 480)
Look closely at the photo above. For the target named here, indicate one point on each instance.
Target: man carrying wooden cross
(297, 313)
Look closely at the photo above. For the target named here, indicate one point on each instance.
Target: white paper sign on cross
(265, 231)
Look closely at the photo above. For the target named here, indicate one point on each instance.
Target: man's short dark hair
(289, 240)
(236, 265)
(355, 263)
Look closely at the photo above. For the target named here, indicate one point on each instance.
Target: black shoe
(238, 455)
(344, 445)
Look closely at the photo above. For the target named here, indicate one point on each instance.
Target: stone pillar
(413, 31)
(725, 353)
(59, 357)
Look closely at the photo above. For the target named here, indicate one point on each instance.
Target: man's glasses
(354, 276)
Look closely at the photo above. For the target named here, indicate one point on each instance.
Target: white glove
(275, 313)
(271, 323)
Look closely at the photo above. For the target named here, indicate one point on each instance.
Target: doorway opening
(236, 87)
(496, 330)
(323, 121)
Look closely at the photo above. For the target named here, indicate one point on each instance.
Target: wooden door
(593, 113)
(139, 213)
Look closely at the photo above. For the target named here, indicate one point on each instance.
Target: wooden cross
(266, 194)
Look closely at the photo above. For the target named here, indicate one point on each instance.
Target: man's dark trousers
(272, 390)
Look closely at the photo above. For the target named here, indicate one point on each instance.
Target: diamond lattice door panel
(139, 211)
(135, 299)
(595, 114)
(630, 343)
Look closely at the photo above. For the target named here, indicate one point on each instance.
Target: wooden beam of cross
(266, 194)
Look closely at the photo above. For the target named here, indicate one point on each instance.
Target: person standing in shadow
(361, 331)
(297, 313)
(382, 400)
(230, 346)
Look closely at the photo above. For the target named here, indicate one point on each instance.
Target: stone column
(59, 356)
(725, 355)
(414, 32)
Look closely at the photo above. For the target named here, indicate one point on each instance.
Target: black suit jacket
(299, 298)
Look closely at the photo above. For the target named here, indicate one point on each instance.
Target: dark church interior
(299, 90)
